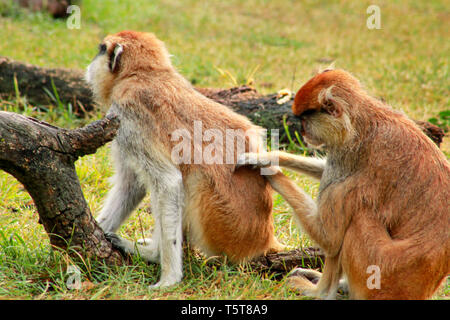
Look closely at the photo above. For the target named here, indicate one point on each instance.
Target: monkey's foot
(305, 281)
(301, 285)
(119, 243)
(343, 289)
(309, 274)
(114, 239)
(276, 246)
(166, 282)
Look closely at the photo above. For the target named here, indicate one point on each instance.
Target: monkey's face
(312, 125)
(321, 129)
(324, 115)
(124, 55)
(100, 73)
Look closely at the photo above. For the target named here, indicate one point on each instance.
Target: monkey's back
(226, 211)
(234, 208)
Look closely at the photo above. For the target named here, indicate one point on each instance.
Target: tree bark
(42, 158)
(57, 8)
(35, 83)
(284, 262)
(71, 88)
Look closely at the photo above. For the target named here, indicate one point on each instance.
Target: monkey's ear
(331, 104)
(332, 109)
(114, 59)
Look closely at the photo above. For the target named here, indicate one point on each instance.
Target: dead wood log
(35, 83)
(262, 110)
(57, 8)
(283, 262)
(42, 158)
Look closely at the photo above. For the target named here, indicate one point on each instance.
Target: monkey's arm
(124, 196)
(311, 166)
(325, 227)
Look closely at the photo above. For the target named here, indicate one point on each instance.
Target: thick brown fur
(225, 211)
(384, 196)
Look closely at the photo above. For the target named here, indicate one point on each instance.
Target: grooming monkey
(384, 197)
(220, 210)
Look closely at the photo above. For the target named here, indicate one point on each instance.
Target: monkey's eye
(308, 112)
(327, 107)
(102, 48)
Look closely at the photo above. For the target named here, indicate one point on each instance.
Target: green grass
(269, 44)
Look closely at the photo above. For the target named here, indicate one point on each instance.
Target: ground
(270, 45)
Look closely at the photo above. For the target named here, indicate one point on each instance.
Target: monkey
(217, 208)
(382, 215)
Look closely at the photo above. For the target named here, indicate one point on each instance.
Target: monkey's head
(122, 55)
(323, 107)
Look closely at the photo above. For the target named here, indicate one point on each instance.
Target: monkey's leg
(150, 246)
(328, 285)
(148, 249)
(168, 228)
(121, 200)
(313, 167)
(387, 268)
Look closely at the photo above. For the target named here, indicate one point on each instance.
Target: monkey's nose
(300, 120)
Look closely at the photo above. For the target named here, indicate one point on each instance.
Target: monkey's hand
(268, 162)
(256, 160)
(116, 241)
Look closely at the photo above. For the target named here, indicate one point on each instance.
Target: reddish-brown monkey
(383, 211)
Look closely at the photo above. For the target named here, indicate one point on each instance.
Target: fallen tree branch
(42, 158)
(57, 8)
(35, 82)
(283, 262)
(71, 88)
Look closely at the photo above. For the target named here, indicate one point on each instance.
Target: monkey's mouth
(308, 138)
(303, 122)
